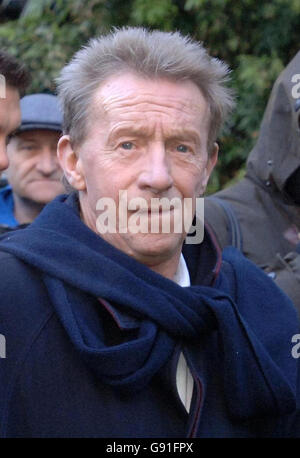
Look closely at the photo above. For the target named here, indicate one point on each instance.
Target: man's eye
(127, 145)
(182, 148)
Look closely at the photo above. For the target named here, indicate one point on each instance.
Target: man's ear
(211, 162)
(212, 159)
(70, 163)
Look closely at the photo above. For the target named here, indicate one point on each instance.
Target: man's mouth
(154, 211)
(48, 180)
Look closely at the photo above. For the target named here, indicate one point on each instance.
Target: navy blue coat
(48, 390)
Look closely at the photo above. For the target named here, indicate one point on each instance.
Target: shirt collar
(182, 276)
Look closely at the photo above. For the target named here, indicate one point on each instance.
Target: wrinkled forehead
(140, 97)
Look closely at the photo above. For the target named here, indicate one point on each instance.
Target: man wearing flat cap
(34, 174)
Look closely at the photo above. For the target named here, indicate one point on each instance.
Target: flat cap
(40, 111)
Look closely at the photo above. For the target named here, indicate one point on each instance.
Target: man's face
(10, 118)
(148, 138)
(34, 171)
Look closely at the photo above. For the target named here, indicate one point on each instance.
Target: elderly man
(13, 80)
(34, 173)
(121, 329)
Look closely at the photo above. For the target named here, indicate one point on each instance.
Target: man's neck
(25, 210)
(167, 268)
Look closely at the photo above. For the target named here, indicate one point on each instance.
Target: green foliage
(155, 13)
(256, 39)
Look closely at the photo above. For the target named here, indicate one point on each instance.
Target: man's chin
(43, 198)
(39, 200)
(44, 187)
(146, 246)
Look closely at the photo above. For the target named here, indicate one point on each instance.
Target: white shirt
(184, 379)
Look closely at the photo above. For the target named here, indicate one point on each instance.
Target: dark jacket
(93, 339)
(268, 217)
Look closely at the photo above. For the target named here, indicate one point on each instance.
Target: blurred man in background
(34, 174)
(260, 215)
(14, 79)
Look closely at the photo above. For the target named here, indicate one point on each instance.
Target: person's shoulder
(215, 218)
(24, 302)
(241, 198)
(240, 192)
(11, 266)
(252, 286)
(222, 210)
(8, 260)
(21, 285)
(244, 269)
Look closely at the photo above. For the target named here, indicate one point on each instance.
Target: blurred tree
(256, 39)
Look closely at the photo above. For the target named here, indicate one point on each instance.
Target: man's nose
(156, 174)
(47, 161)
(3, 155)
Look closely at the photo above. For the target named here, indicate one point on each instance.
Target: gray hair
(151, 54)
